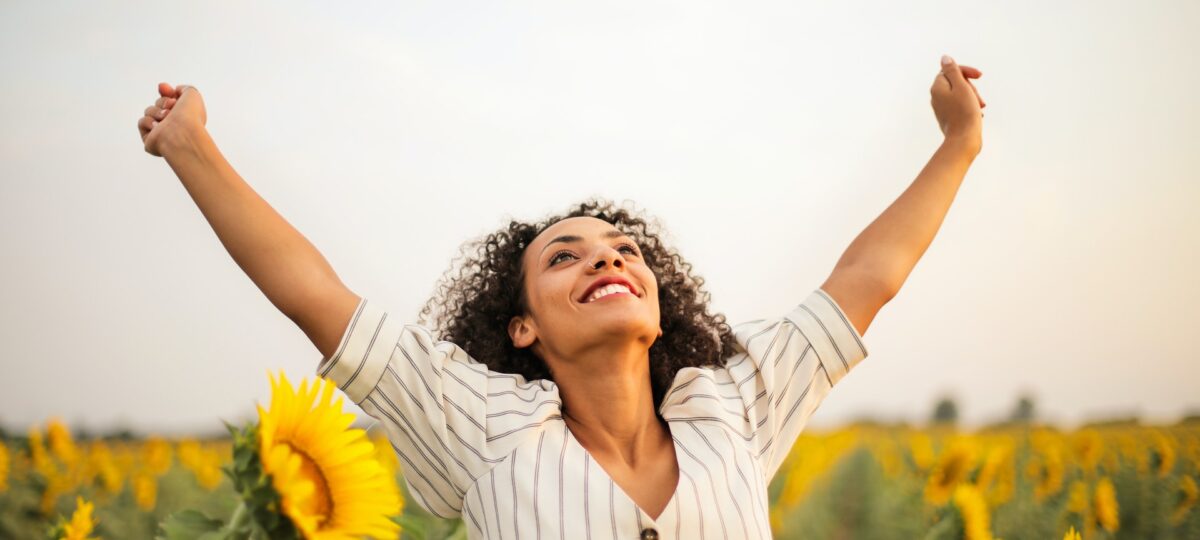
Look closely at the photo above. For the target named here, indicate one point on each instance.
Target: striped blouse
(493, 448)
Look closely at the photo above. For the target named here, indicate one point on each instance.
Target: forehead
(584, 226)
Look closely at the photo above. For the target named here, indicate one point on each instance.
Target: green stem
(241, 517)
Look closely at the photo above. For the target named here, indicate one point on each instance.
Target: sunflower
(81, 522)
(1105, 503)
(102, 467)
(1077, 500)
(156, 455)
(1072, 534)
(974, 512)
(1187, 495)
(995, 475)
(1046, 470)
(325, 474)
(921, 449)
(3, 467)
(1162, 454)
(951, 468)
(145, 490)
(1088, 448)
(61, 444)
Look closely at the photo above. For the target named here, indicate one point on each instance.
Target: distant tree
(867, 420)
(122, 434)
(1025, 411)
(946, 411)
(1117, 421)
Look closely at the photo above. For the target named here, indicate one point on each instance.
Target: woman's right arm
(284, 265)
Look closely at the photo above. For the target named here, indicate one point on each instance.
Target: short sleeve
(796, 360)
(784, 368)
(448, 417)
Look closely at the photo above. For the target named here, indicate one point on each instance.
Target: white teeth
(607, 290)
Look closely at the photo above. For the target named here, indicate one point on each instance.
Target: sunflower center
(320, 504)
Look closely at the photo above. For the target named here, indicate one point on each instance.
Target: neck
(608, 402)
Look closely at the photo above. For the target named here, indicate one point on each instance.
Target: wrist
(187, 140)
(967, 146)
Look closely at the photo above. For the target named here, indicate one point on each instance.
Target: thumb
(952, 71)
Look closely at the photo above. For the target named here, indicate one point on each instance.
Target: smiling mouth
(610, 295)
(612, 289)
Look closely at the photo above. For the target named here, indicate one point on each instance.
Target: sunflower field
(301, 471)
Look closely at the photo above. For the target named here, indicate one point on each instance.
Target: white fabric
(493, 448)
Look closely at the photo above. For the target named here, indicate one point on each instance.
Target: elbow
(868, 282)
(888, 290)
(884, 282)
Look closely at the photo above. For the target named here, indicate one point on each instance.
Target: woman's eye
(554, 259)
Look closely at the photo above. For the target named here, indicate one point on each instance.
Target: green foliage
(417, 524)
(189, 525)
(262, 505)
(58, 530)
(855, 498)
(258, 516)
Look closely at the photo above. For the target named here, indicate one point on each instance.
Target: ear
(522, 333)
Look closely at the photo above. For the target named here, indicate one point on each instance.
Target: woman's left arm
(876, 264)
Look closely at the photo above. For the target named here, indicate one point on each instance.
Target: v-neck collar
(619, 489)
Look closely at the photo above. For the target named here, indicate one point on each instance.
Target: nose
(607, 255)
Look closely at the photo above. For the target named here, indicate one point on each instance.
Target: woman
(579, 387)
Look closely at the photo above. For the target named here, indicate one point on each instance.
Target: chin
(622, 326)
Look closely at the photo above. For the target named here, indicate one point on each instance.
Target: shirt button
(649, 534)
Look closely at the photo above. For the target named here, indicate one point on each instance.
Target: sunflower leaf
(459, 533)
(412, 525)
(187, 525)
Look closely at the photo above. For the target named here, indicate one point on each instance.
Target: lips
(608, 280)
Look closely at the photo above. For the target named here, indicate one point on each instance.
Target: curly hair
(473, 308)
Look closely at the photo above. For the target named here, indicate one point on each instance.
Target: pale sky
(765, 136)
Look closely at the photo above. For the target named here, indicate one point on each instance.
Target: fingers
(943, 81)
(145, 124)
(982, 103)
(970, 72)
(162, 106)
(940, 84)
(952, 73)
(156, 113)
(167, 90)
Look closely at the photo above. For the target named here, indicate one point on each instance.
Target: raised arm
(877, 263)
(284, 265)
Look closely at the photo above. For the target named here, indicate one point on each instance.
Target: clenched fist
(177, 111)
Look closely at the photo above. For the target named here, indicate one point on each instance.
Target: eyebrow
(566, 238)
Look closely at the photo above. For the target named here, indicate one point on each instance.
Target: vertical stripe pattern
(492, 448)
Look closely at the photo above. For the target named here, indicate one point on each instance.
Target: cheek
(551, 290)
(649, 279)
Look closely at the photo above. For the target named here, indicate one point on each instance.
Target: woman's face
(561, 265)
